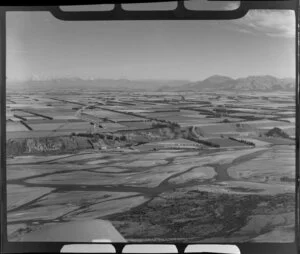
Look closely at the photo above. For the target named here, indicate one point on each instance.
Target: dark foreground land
(189, 215)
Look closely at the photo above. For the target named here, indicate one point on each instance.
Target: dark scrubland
(199, 216)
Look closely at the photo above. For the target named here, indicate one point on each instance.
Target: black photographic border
(180, 13)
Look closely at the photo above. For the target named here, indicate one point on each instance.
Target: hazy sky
(39, 46)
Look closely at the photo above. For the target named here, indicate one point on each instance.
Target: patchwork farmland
(188, 166)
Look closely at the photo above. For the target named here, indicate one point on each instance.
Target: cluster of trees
(96, 136)
(165, 123)
(87, 135)
(225, 121)
(251, 118)
(277, 132)
(287, 179)
(208, 143)
(249, 143)
(159, 125)
(105, 120)
(203, 142)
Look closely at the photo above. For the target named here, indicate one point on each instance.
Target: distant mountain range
(250, 83)
(103, 84)
(216, 82)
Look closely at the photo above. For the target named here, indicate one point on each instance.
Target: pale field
(275, 163)
(50, 212)
(36, 134)
(125, 117)
(245, 188)
(220, 128)
(218, 157)
(30, 118)
(109, 170)
(292, 113)
(282, 234)
(258, 143)
(266, 123)
(285, 128)
(277, 141)
(31, 159)
(74, 200)
(28, 106)
(29, 170)
(64, 125)
(19, 195)
(46, 126)
(160, 155)
(108, 114)
(132, 110)
(82, 158)
(142, 163)
(48, 121)
(15, 127)
(149, 178)
(250, 110)
(77, 198)
(96, 162)
(226, 142)
(180, 141)
(138, 125)
(14, 119)
(280, 105)
(64, 117)
(290, 119)
(107, 208)
(196, 174)
(22, 113)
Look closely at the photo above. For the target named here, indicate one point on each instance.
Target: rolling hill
(250, 83)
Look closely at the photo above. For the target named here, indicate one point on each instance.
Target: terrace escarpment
(80, 141)
(46, 145)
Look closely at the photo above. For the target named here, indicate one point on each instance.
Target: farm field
(160, 166)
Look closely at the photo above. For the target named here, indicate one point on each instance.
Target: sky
(39, 46)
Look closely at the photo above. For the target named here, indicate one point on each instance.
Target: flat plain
(173, 166)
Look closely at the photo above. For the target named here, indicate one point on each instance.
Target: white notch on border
(150, 248)
(101, 241)
(213, 248)
(88, 248)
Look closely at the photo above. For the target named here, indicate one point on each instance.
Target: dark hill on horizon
(250, 83)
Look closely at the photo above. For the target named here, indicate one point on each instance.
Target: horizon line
(141, 79)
